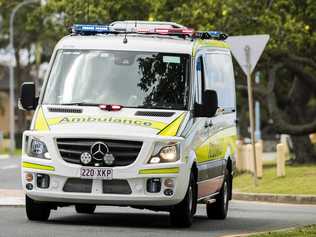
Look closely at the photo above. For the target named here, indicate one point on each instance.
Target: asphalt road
(10, 173)
(121, 222)
(244, 217)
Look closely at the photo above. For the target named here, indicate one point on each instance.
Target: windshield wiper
(176, 107)
(80, 104)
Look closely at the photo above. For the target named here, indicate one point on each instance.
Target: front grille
(116, 186)
(154, 113)
(64, 110)
(76, 185)
(124, 152)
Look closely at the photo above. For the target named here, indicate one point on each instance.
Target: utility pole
(251, 113)
(11, 73)
(1, 21)
(257, 111)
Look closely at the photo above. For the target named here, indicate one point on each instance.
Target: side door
(209, 169)
(222, 133)
(202, 149)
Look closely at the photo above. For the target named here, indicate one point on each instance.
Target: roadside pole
(251, 113)
(247, 51)
(11, 72)
(257, 111)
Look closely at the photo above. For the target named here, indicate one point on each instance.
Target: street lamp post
(1, 20)
(11, 73)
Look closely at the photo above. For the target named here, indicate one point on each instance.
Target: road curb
(12, 198)
(4, 156)
(12, 202)
(261, 232)
(276, 198)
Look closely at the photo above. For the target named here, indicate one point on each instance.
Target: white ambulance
(138, 114)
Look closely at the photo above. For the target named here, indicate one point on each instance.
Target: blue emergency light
(216, 35)
(85, 29)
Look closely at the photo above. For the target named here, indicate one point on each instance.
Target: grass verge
(307, 231)
(298, 180)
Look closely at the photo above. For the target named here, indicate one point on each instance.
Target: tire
(182, 214)
(219, 209)
(85, 208)
(36, 211)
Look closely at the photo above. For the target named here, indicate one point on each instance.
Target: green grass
(307, 231)
(298, 180)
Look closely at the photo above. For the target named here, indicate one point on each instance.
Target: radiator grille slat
(64, 110)
(125, 152)
(154, 113)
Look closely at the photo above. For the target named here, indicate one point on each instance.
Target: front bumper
(135, 174)
(137, 182)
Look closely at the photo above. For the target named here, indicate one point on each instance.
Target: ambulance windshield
(130, 79)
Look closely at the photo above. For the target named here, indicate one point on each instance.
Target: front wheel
(219, 209)
(36, 211)
(182, 214)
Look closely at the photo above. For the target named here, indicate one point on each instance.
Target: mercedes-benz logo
(98, 150)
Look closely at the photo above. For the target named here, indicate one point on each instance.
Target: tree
(38, 29)
(288, 64)
(23, 40)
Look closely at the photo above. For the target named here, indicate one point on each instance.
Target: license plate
(96, 173)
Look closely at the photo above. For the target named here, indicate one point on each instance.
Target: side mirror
(28, 101)
(209, 104)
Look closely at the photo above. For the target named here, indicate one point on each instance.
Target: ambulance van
(138, 114)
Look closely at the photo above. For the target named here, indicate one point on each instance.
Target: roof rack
(183, 32)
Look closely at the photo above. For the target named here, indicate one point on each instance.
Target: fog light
(153, 185)
(169, 183)
(29, 186)
(168, 192)
(29, 177)
(42, 180)
(85, 158)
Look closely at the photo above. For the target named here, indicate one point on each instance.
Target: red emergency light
(167, 31)
(110, 107)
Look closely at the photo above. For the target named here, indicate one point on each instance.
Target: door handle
(208, 124)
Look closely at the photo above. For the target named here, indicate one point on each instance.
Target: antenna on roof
(125, 37)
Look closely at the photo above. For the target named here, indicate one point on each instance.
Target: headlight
(167, 153)
(36, 148)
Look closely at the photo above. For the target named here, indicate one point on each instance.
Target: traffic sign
(255, 44)
(247, 50)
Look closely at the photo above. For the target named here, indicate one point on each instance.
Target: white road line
(6, 167)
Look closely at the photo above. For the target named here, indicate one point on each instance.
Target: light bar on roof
(84, 29)
(89, 29)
